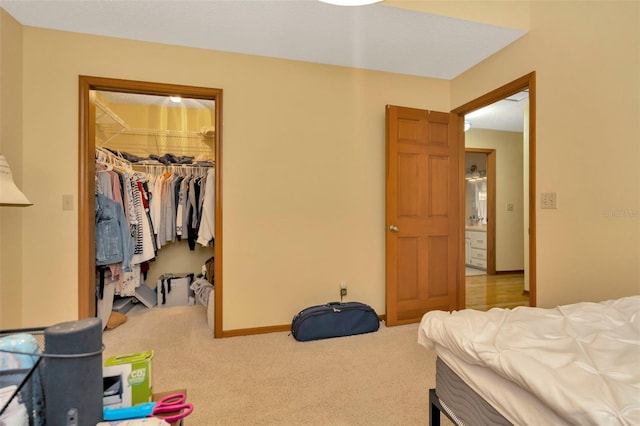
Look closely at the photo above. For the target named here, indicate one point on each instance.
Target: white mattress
(581, 361)
(514, 403)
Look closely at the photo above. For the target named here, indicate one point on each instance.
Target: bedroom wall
(509, 224)
(10, 146)
(303, 179)
(586, 56)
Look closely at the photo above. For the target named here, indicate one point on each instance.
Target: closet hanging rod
(172, 166)
(104, 156)
(180, 169)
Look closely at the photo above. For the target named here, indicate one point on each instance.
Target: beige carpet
(379, 378)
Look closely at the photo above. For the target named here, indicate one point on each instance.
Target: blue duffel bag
(334, 319)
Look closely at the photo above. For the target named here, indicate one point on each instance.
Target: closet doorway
(100, 127)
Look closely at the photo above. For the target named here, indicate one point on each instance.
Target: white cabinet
(476, 249)
(467, 251)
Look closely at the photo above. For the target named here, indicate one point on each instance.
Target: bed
(573, 364)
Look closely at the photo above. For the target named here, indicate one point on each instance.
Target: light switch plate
(67, 202)
(548, 200)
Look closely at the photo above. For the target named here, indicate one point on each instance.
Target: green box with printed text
(128, 379)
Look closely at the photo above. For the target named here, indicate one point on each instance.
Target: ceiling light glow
(175, 99)
(350, 2)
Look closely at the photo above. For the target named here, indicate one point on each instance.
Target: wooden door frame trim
(86, 181)
(491, 205)
(524, 82)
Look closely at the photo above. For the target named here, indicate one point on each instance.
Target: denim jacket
(113, 238)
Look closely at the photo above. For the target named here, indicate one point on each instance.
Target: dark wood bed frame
(435, 408)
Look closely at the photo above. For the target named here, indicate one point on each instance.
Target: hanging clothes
(113, 241)
(179, 205)
(180, 198)
(119, 195)
(207, 221)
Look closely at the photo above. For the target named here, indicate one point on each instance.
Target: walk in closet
(155, 164)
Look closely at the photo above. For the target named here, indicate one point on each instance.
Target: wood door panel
(408, 311)
(411, 130)
(409, 190)
(422, 212)
(438, 191)
(408, 271)
(423, 271)
(439, 133)
(438, 274)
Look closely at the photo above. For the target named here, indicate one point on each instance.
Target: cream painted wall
(586, 58)
(303, 179)
(11, 147)
(509, 174)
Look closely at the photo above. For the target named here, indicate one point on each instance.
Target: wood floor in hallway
(502, 291)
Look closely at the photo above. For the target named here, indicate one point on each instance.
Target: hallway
(502, 291)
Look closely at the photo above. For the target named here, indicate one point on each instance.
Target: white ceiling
(506, 114)
(374, 37)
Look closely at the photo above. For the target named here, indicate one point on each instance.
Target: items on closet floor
(105, 293)
(202, 287)
(116, 319)
(116, 293)
(146, 295)
(175, 290)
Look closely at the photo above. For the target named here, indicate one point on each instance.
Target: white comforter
(582, 360)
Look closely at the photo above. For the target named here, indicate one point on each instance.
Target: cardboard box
(127, 379)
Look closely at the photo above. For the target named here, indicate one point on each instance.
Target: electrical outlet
(343, 289)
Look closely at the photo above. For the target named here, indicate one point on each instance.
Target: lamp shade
(10, 195)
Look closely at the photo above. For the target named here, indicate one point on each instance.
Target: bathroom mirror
(476, 212)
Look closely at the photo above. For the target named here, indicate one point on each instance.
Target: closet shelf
(150, 132)
(112, 125)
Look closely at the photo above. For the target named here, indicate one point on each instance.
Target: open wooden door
(423, 204)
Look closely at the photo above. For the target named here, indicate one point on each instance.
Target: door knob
(394, 228)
